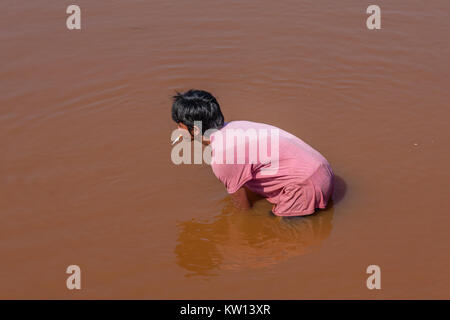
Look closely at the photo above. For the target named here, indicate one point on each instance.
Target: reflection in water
(236, 240)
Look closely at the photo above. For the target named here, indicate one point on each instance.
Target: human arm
(240, 199)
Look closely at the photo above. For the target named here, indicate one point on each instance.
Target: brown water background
(85, 170)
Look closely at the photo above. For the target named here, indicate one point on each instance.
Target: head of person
(197, 106)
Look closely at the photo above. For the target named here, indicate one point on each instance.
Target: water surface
(85, 170)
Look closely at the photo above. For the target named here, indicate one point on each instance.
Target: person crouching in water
(265, 159)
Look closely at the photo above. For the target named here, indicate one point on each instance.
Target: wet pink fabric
(299, 183)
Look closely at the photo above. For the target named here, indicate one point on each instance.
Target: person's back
(294, 176)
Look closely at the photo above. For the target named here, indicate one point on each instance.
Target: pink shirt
(289, 173)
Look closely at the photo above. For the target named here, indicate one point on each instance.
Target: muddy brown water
(85, 170)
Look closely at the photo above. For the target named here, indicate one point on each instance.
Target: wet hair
(197, 105)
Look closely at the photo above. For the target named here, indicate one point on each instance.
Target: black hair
(197, 105)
